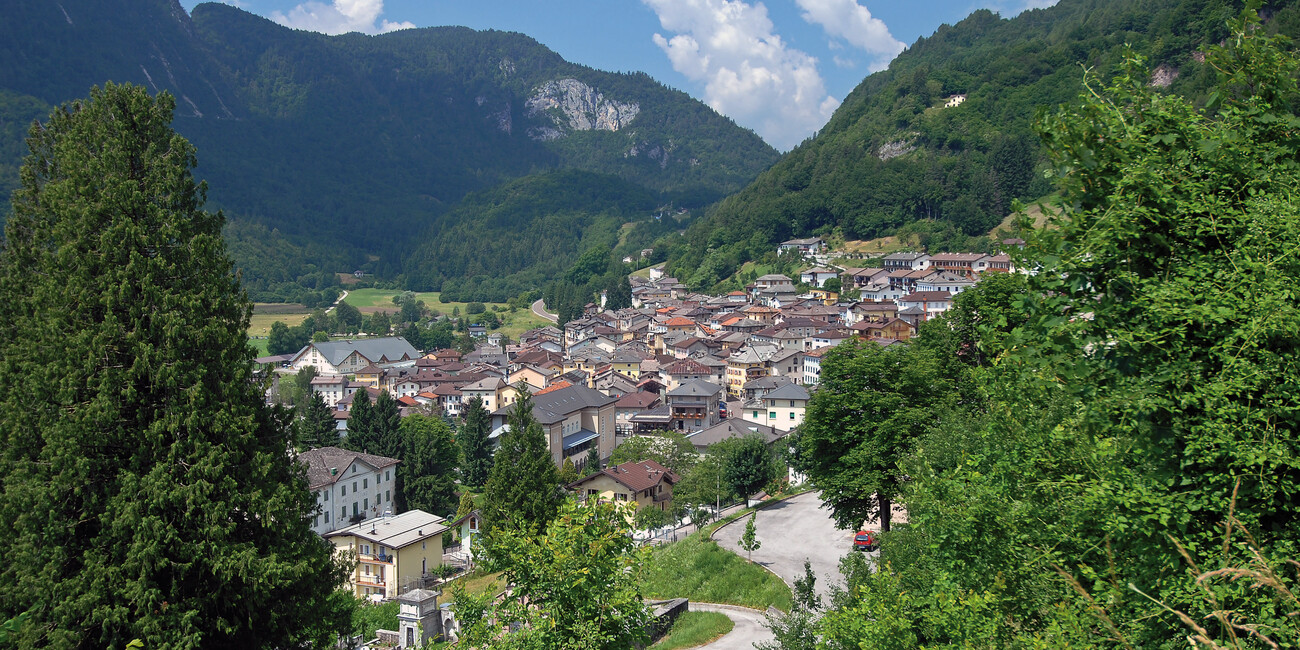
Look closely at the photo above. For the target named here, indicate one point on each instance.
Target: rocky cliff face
(575, 106)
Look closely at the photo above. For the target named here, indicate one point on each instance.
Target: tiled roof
(635, 475)
(320, 461)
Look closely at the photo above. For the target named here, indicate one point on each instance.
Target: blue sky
(779, 67)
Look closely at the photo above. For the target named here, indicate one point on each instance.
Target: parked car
(865, 540)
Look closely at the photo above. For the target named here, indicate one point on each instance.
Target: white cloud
(748, 73)
(852, 22)
(339, 17)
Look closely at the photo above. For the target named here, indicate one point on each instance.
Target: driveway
(751, 627)
(792, 531)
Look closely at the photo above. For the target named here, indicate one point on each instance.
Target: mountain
(330, 153)
(903, 151)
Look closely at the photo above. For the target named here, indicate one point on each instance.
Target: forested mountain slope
(338, 152)
(895, 153)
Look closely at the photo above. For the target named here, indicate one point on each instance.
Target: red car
(865, 540)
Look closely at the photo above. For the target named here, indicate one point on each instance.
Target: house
(349, 486)
(645, 483)
(954, 101)
(683, 371)
(347, 357)
(805, 247)
(895, 329)
(470, 527)
(631, 405)
(787, 363)
(694, 405)
(931, 303)
(961, 264)
(906, 262)
(750, 362)
(812, 365)
(495, 393)
(817, 276)
(575, 419)
(781, 408)
(731, 428)
(394, 553)
(331, 388)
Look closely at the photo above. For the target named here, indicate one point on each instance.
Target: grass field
(693, 629)
(474, 585)
(266, 313)
(645, 273)
(699, 569)
(369, 301)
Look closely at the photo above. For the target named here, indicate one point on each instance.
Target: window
(365, 483)
(354, 507)
(379, 478)
(327, 495)
(315, 521)
(365, 503)
(772, 414)
(327, 516)
(791, 415)
(792, 406)
(756, 414)
(365, 549)
(345, 489)
(388, 496)
(354, 486)
(620, 496)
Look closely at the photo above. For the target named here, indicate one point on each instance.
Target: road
(539, 308)
(792, 531)
(751, 627)
(336, 302)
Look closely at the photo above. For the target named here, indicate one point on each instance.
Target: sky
(779, 67)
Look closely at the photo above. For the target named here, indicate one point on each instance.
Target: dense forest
(893, 154)
(336, 153)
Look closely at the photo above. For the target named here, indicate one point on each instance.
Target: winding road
(539, 308)
(751, 627)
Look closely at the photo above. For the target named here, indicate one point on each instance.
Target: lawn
(699, 569)
(474, 584)
(693, 629)
(266, 313)
(512, 323)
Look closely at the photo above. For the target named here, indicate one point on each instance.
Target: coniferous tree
(361, 423)
(147, 492)
(385, 429)
(523, 486)
(475, 446)
(315, 422)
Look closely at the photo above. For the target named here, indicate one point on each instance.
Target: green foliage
(873, 404)
(1129, 475)
(891, 155)
(670, 448)
(361, 418)
(703, 484)
(523, 487)
(575, 585)
(694, 629)
(797, 629)
(649, 517)
(427, 473)
(465, 506)
(475, 447)
(315, 423)
(568, 472)
(148, 493)
(749, 539)
(370, 617)
(699, 569)
(748, 464)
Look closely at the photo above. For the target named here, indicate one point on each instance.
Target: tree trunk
(886, 511)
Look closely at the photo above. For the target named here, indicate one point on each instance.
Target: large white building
(349, 486)
(348, 356)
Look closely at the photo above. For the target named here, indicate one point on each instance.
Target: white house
(349, 356)
(349, 486)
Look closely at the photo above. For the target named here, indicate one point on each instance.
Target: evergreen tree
(385, 428)
(569, 472)
(593, 460)
(315, 422)
(361, 424)
(147, 493)
(748, 465)
(426, 474)
(465, 506)
(523, 487)
(475, 446)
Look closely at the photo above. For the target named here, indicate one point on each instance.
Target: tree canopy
(147, 493)
(523, 488)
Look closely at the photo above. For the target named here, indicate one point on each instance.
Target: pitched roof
(636, 475)
(321, 460)
(387, 349)
(788, 391)
(732, 428)
(396, 531)
(637, 400)
(696, 388)
(550, 406)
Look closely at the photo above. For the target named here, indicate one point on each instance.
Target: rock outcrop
(575, 106)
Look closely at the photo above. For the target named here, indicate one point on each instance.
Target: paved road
(539, 308)
(796, 529)
(336, 302)
(751, 627)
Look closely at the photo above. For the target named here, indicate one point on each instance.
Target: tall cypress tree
(385, 429)
(475, 446)
(361, 419)
(523, 486)
(146, 492)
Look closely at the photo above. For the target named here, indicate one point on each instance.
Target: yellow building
(393, 554)
(644, 483)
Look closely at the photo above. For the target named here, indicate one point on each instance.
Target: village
(708, 367)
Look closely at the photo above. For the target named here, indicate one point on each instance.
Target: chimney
(334, 471)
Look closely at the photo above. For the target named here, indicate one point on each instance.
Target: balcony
(382, 558)
(370, 581)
